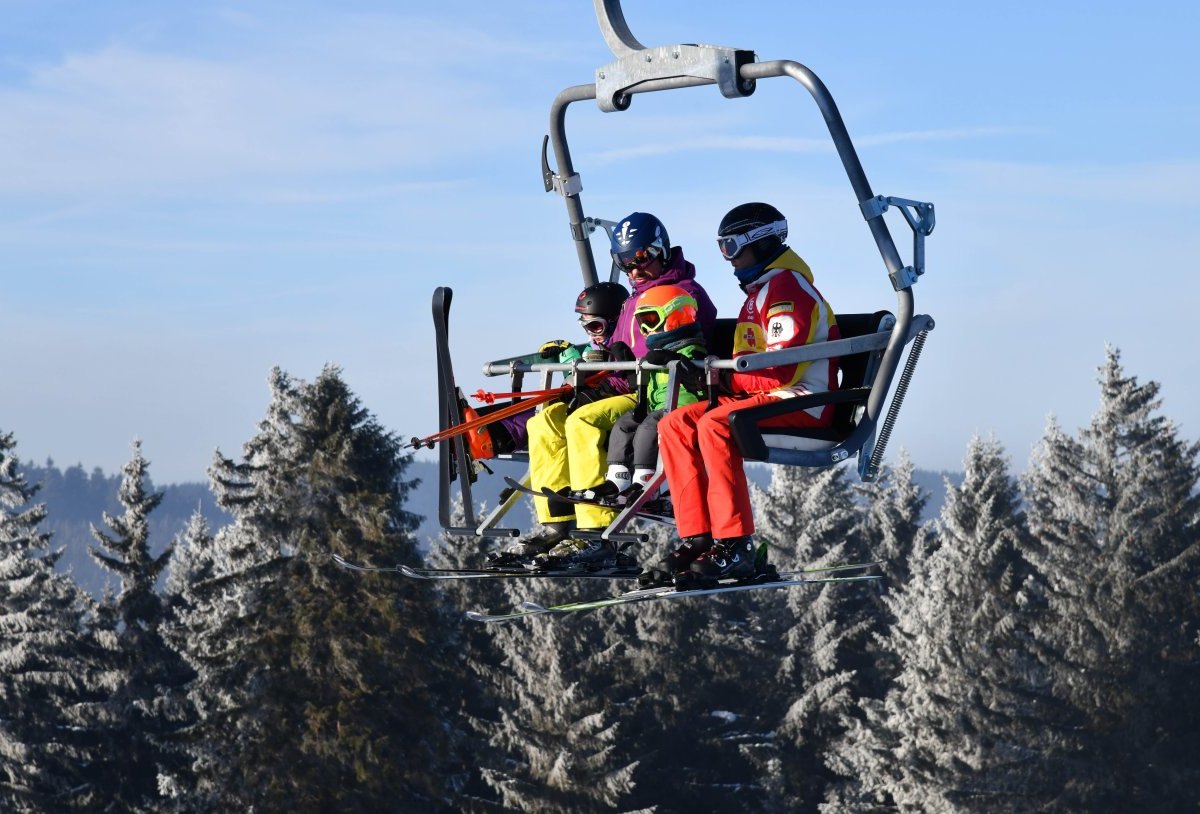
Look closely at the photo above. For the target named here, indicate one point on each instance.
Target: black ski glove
(662, 356)
(620, 352)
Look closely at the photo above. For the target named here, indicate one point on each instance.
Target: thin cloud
(123, 120)
(1157, 183)
(783, 144)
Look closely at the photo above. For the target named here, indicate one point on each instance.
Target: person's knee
(712, 427)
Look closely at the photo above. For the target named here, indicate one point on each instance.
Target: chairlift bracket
(921, 220)
(672, 66)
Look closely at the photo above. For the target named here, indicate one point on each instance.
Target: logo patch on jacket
(781, 308)
(749, 337)
(780, 329)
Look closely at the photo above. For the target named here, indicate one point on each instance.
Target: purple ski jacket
(681, 273)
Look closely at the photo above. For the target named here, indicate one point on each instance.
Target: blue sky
(193, 193)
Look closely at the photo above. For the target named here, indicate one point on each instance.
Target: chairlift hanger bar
(639, 69)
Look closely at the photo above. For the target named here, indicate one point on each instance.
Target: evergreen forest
(1034, 646)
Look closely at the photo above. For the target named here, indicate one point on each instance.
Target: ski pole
(541, 397)
(484, 420)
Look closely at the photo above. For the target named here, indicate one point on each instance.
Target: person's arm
(788, 317)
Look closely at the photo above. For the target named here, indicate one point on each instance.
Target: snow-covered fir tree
(1116, 513)
(316, 687)
(893, 527)
(897, 537)
(475, 703)
(555, 732)
(969, 723)
(148, 667)
(810, 518)
(190, 567)
(51, 677)
(672, 680)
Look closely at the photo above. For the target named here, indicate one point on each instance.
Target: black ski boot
(584, 555)
(727, 559)
(664, 571)
(522, 552)
(604, 492)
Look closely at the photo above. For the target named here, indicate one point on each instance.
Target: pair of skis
(789, 579)
(821, 575)
(489, 573)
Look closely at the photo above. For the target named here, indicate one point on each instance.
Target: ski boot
(587, 555)
(603, 492)
(732, 558)
(628, 495)
(521, 553)
(664, 571)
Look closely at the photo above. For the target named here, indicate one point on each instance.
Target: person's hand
(620, 352)
(595, 355)
(553, 348)
(725, 382)
(662, 356)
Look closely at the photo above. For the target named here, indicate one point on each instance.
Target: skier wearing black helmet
(567, 453)
(598, 307)
(703, 464)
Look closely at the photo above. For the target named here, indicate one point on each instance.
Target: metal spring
(885, 430)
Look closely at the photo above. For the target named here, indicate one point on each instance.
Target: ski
(487, 573)
(787, 579)
(549, 494)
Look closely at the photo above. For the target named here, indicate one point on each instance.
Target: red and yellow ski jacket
(783, 309)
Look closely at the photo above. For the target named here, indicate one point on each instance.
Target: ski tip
(476, 616)
(342, 562)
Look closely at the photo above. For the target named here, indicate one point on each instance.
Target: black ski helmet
(758, 225)
(601, 300)
(639, 237)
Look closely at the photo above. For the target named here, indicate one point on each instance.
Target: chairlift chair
(871, 345)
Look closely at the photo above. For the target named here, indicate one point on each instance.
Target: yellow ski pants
(572, 450)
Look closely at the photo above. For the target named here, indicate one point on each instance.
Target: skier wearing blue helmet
(642, 249)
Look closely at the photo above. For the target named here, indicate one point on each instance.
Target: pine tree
(148, 667)
(896, 536)
(317, 686)
(969, 724)
(475, 702)
(556, 734)
(51, 681)
(1116, 513)
(810, 518)
(191, 566)
(676, 686)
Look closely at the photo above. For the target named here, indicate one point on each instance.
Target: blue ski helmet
(638, 239)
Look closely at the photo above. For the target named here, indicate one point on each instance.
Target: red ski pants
(705, 468)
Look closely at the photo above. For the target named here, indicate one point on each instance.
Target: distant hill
(76, 500)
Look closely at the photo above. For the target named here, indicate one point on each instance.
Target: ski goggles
(593, 325)
(648, 321)
(731, 245)
(635, 260)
